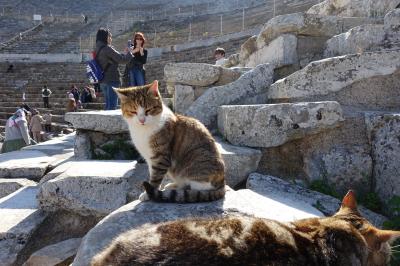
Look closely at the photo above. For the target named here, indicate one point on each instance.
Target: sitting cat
(174, 145)
(344, 239)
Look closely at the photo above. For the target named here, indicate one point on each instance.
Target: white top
(221, 62)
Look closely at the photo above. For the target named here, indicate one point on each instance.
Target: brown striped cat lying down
(177, 146)
(344, 239)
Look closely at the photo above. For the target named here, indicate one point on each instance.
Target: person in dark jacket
(108, 58)
(135, 67)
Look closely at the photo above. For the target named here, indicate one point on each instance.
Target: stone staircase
(58, 77)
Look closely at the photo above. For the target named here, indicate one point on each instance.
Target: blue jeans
(136, 77)
(110, 97)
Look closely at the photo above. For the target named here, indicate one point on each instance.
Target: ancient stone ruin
(312, 102)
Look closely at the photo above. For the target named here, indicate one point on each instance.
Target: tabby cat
(344, 239)
(173, 145)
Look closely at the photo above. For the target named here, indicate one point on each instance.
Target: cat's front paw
(144, 197)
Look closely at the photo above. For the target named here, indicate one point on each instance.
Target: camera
(129, 43)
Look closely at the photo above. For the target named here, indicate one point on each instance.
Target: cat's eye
(148, 110)
(132, 113)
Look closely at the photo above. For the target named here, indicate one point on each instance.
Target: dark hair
(140, 35)
(220, 51)
(102, 35)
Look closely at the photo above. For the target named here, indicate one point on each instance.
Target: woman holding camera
(109, 58)
(135, 67)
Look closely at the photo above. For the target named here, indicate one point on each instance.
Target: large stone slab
(360, 39)
(335, 74)
(270, 125)
(384, 135)
(92, 187)
(194, 74)
(20, 217)
(353, 8)
(239, 162)
(138, 213)
(8, 185)
(250, 88)
(298, 197)
(183, 97)
(55, 254)
(282, 51)
(109, 122)
(305, 25)
(25, 164)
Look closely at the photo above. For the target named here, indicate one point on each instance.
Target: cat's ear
(154, 88)
(122, 94)
(387, 235)
(349, 201)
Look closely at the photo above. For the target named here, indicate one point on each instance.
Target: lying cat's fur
(343, 239)
(174, 145)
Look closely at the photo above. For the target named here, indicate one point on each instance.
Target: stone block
(20, 217)
(92, 187)
(138, 213)
(183, 98)
(333, 75)
(250, 88)
(360, 39)
(281, 51)
(24, 164)
(384, 134)
(239, 162)
(9, 185)
(299, 197)
(271, 125)
(55, 254)
(109, 122)
(193, 74)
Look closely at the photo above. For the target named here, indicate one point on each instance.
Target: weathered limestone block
(229, 75)
(279, 52)
(392, 26)
(109, 122)
(9, 185)
(342, 169)
(20, 217)
(239, 162)
(298, 196)
(183, 98)
(353, 8)
(138, 213)
(55, 254)
(91, 187)
(247, 48)
(334, 74)
(360, 39)
(270, 125)
(250, 88)
(82, 146)
(233, 60)
(24, 164)
(194, 74)
(384, 132)
(305, 25)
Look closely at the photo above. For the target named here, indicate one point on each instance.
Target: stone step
(271, 125)
(20, 217)
(8, 186)
(54, 118)
(91, 187)
(365, 80)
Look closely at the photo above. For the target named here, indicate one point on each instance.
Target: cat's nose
(142, 120)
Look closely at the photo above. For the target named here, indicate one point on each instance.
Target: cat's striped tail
(183, 195)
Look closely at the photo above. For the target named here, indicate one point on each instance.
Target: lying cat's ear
(122, 94)
(349, 201)
(387, 235)
(154, 88)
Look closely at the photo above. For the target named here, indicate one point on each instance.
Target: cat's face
(378, 241)
(142, 105)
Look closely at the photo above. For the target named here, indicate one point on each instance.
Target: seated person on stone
(219, 55)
